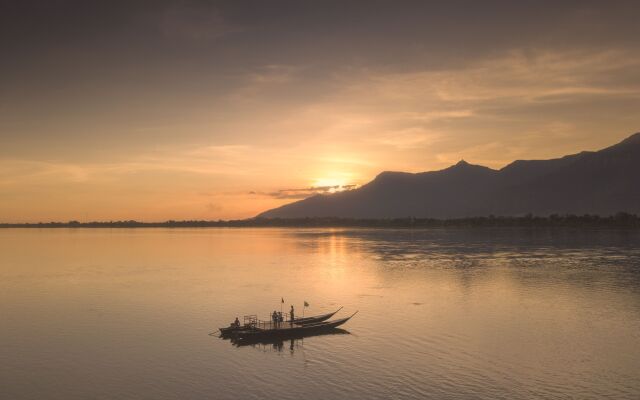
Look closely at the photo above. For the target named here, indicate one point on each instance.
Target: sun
(333, 184)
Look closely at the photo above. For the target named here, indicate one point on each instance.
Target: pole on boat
(281, 303)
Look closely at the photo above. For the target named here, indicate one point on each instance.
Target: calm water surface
(486, 313)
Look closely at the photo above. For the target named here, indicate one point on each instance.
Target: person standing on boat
(274, 318)
(237, 322)
(291, 314)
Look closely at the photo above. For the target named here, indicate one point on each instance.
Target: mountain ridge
(600, 182)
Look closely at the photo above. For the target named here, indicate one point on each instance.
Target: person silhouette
(291, 314)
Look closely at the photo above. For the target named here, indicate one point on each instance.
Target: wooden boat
(229, 330)
(286, 329)
(317, 318)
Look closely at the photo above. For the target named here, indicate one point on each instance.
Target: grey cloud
(302, 193)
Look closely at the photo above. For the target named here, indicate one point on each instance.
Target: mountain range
(600, 182)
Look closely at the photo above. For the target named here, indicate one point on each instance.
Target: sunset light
(319, 200)
(335, 184)
(213, 112)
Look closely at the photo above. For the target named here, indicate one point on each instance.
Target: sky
(158, 110)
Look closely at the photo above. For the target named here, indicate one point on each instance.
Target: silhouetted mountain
(603, 182)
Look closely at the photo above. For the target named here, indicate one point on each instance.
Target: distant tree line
(567, 220)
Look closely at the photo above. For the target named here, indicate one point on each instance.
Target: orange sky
(222, 111)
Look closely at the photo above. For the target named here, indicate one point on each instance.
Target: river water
(443, 313)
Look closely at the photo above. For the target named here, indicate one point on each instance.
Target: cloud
(519, 100)
(527, 76)
(303, 193)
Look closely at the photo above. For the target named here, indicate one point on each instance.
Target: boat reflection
(278, 343)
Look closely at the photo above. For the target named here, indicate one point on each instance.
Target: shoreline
(620, 220)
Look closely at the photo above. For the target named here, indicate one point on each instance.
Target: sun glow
(334, 184)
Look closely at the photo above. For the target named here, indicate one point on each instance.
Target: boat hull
(291, 330)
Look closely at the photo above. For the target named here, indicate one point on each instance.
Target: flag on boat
(306, 304)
